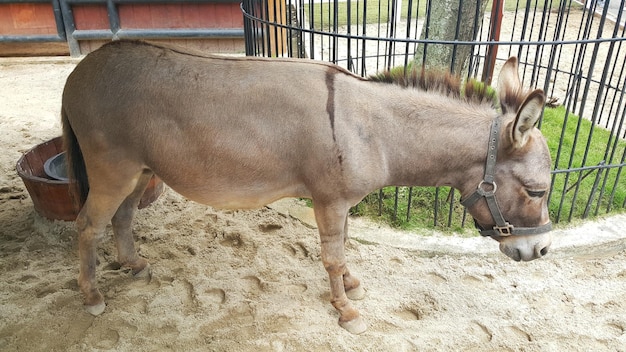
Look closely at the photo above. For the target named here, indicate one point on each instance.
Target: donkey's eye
(536, 194)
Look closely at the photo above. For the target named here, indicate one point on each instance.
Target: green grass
(321, 16)
(421, 212)
(423, 198)
(571, 156)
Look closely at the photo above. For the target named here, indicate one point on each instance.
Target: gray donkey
(243, 132)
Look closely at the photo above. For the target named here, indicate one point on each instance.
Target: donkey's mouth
(481, 227)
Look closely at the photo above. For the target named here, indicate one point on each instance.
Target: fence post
(494, 34)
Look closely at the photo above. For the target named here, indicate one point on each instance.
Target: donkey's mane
(441, 82)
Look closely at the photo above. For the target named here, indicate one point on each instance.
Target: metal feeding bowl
(56, 168)
(43, 171)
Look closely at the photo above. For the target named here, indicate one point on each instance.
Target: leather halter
(487, 188)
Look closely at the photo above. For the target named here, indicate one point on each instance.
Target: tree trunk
(444, 16)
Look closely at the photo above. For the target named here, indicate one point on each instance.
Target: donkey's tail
(77, 172)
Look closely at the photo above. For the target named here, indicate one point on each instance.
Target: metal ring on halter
(484, 192)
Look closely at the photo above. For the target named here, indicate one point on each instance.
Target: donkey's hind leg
(99, 208)
(122, 221)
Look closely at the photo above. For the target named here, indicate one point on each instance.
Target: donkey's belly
(240, 197)
(226, 170)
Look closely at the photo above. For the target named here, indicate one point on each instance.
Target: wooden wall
(28, 19)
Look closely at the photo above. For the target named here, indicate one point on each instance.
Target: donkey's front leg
(331, 221)
(351, 284)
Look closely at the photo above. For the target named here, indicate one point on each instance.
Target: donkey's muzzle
(497, 231)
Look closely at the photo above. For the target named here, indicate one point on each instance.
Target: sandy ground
(253, 280)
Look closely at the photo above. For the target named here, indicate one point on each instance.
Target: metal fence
(573, 51)
(67, 31)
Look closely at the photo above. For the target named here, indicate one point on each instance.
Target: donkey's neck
(437, 140)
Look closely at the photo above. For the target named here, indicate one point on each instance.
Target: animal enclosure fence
(573, 51)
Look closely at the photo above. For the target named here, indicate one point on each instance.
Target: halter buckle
(504, 231)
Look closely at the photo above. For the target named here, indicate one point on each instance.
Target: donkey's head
(510, 204)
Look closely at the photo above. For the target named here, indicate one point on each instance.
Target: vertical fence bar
(591, 198)
(394, 217)
(615, 147)
(58, 17)
(408, 206)
(494, 34)
(381, 195)
(457, 30)
(114, 18)
(436, 207)
(451, 205)
(70, 27)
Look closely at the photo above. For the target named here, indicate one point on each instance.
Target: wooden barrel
(52, 198)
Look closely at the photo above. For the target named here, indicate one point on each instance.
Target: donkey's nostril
(543, 251)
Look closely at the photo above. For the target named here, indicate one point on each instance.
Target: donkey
(243, 132)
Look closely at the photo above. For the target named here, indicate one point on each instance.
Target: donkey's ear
(527, 116)
(509, 83)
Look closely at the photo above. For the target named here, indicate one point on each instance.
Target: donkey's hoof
(356, 293)
(95, 310)
(144, 273)
(355, 326)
